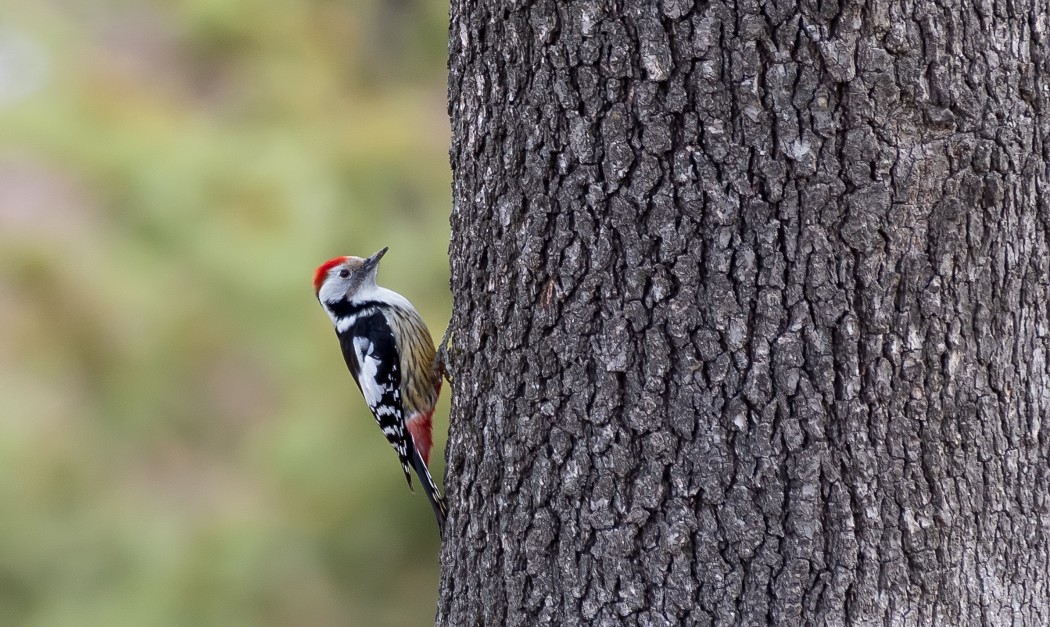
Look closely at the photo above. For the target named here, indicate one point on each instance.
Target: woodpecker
(391, 356)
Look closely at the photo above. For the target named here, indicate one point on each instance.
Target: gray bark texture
(751, 313)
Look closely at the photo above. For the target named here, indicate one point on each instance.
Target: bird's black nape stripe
(344, 308)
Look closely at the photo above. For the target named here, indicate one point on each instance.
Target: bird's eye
(344, 273)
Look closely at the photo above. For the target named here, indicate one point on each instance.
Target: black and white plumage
(390, 354)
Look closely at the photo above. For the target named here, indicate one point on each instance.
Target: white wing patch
(377, 376)
(372, 389)
(342, 325)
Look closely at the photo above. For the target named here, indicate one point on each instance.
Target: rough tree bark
(751, 313)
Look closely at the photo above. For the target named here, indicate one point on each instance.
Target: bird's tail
(431, 490)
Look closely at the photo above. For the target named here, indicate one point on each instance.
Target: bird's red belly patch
(420, 426)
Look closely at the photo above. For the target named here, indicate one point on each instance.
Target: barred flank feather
(418, 392)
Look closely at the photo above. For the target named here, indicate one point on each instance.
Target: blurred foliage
(180, 443)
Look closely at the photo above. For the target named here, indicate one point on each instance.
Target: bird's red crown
(322, 271)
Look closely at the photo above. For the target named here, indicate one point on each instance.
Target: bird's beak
(373, 261)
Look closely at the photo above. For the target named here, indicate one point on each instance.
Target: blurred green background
(180, 442)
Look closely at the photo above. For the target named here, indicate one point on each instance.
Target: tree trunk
(751, 313)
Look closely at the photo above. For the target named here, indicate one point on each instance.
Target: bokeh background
(180, 443)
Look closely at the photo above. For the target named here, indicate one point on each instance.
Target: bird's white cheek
(326, 292)
(332, 290)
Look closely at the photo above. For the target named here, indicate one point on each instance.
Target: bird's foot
(442, 354)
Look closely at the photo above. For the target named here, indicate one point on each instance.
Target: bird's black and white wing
(370, 350)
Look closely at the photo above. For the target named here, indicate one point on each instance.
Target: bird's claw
(442, 355)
